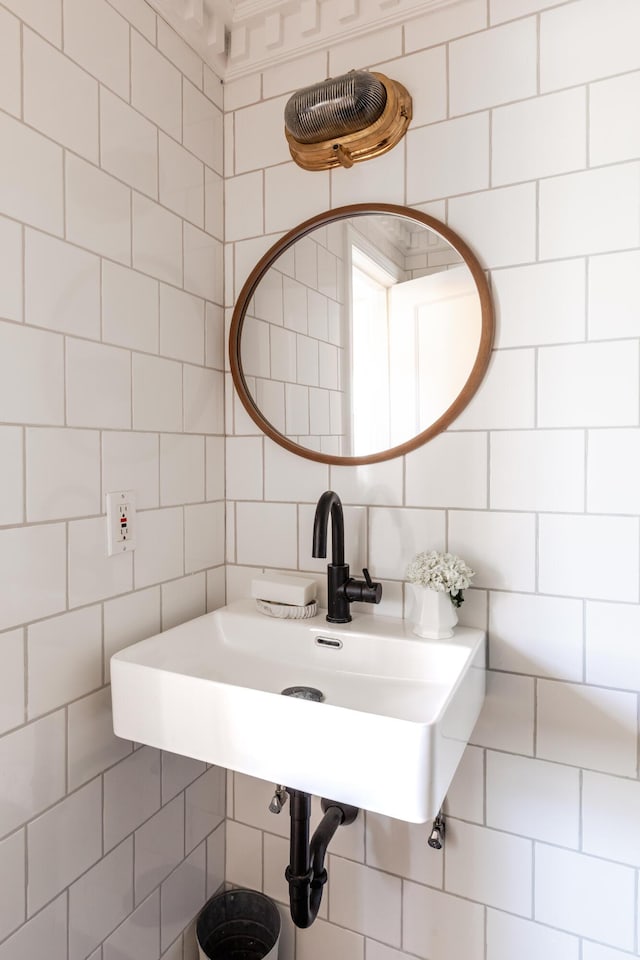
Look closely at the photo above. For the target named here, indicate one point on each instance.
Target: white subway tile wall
(106, 852)
(525, 138)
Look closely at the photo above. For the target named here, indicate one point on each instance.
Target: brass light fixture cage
(346, 119)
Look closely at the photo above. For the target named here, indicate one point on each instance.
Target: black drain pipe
(306, 874)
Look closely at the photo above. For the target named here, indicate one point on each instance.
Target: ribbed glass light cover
(335, 107)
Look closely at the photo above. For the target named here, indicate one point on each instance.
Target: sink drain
(304, 693)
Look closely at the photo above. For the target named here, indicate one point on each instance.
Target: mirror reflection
(361, 335)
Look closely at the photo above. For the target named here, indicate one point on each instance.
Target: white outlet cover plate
(120, 538)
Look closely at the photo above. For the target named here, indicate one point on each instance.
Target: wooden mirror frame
(331, 216)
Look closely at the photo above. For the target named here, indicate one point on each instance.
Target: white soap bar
(280, 588)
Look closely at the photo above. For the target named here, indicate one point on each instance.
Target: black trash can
(238, 925)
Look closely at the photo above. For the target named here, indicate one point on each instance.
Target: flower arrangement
(444, 572)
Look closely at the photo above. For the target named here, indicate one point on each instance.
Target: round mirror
(361, 334)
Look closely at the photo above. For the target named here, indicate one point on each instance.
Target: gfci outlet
(121, 522)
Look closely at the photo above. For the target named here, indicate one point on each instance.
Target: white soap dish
(287, 611)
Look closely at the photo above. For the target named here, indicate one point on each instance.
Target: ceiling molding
(239, 37)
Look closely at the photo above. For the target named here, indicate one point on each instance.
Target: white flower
(444, 572)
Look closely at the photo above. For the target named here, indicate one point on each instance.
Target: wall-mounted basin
(388, 736)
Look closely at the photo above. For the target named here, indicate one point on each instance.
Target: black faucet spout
(329, 503)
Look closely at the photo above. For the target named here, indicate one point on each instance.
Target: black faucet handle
(367, 577)
(363, 591)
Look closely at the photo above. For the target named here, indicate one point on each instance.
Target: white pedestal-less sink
(388, 736)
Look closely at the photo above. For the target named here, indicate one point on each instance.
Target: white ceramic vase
(433, 614)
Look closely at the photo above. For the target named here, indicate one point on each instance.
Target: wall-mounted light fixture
(346, 119)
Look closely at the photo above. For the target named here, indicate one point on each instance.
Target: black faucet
(342, 589)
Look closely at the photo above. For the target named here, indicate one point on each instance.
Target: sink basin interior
(395, 707)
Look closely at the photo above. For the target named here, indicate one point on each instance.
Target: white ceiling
(237, 37)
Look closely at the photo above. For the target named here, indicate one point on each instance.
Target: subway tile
(11, 271)
(62, 286)
(243, 198)
(500, 224)
(448, 158)
(535, 635)
(595, 951)
(446, 23)
(203, 400)
(213, 204)
(244, 472)
(47, 19)
(180, 53)
(63, 843)
(12, 476)
(267, 534)
(377, 951)
(288, 199)
(614, 130)
(611, 643)
(587, 726)
(203, 264)
(33, 577)
(215, 344)
(533, 798)
(385, 181)
(92, 574)
(215, 467)
(584, 895)
(508, 936)
(204, 529)
(156, 87)
(181, 181)
(137, 937)
(157, 394)
(139, 14)
(182, 896)
(488, 866)
(255, 145)
(177, 773)
(10, 66)
(159, 847)
(12, 686)
(244, 856)
(251, 798)
(130, 461)
(216, 860)
(539, 137)
(60, 99)
(157, 241)
(98, 210)
(498, 546)
(522, 464)
(63, 473)
(541, 303)
(501, 10)
(438, 926)
(399, 848)
(13, 877)
(610, 825)
(202, 127)
(510, 373)
(181, 469)
(243, 91)
(38, 746)
(129, 619)
(365, 900)
(575, 552)
(93, 745)
(326, 939)
(100, 900)
(276, 857)
(506, 721)
(372, 483)
(31, 187)
(396, 536)
(590, 212)
(150, 564)
(128, 144)
(291, 479)
(213, 87)
(129, 308)
(65, 659)
(614, 295)
(49, 926)
(449, 471)
(181, 325)
(131, 794)
(465, 796)
(587, 41)
(98, 385)
(613, 471)
(183, 600)
(493, 67)
(424, 75)
(98, 39)
(588, 385)
(216, 588)
(204, 806)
